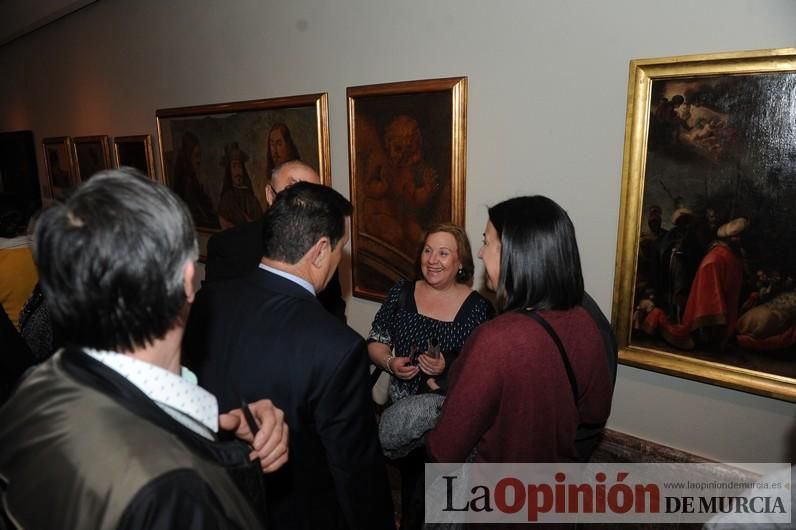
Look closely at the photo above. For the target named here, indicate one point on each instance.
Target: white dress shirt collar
(168, 390)
(292, 277)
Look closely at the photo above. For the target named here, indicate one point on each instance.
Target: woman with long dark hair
(515, 395)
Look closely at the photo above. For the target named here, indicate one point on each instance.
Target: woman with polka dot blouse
(438, 310)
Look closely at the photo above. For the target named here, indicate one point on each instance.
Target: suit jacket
(236, 252)
(263, 336)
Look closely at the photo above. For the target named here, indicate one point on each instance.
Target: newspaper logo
(607, 493)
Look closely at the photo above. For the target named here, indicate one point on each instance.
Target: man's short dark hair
(539, 258)
(301, 215)
(111, 261)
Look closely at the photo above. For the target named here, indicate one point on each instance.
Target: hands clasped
(403, 368)
(270, 443)
(430, 365)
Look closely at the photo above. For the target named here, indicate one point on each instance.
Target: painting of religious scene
(219, 158)
(715, 276)
(406, 174)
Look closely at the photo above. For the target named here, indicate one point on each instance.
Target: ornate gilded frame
(134, 151)
(92, 154)
(434, 109)
(64, 179)
(643, 74)
(249, 124)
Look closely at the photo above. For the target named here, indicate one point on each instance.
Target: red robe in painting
(713, 299)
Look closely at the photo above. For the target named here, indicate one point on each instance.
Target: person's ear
(188, 273)
(321, 251)
(270, 194)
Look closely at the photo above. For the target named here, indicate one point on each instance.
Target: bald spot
(292, 172)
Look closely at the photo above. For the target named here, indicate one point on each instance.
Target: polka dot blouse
(398, 325)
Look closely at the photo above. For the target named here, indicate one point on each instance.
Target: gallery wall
(546, 114)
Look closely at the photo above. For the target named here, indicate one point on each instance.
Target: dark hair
(300, 215)
(292, 150)
(463, 249)
(539, 259)
(233, 152)
(111, 260)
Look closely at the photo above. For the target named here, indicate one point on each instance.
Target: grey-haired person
(110, 432)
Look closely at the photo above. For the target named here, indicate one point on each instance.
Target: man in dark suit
(237, 251)
(265, 334)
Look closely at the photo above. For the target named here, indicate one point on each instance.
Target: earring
(461, 271)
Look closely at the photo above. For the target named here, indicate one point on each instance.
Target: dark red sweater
(509, 394)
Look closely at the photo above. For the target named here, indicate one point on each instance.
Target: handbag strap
(549, 329)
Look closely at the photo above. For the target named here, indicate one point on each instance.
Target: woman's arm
(381, 355)
(473, 397)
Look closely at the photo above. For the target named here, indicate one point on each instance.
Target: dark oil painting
(92, 154)
(401, 183)
(219, 158)
(716, 267)
(135, 152)
(58, 163)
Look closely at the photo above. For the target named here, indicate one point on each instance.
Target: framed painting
(19, 175)
(92, 154)
(136, 152)
(407, 155)
(59, 164)
(705, 283)
(219, 158)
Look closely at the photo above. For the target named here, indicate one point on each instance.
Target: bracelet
(387, 363)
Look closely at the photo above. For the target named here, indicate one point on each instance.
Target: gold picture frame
(704, 157)
(195, 143)
(92, 154)
(407, 155)
(59, 165)
(134, 151)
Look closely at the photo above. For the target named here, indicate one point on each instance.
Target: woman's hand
(402, 368)
(430, 365)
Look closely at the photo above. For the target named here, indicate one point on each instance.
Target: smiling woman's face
(439, 261)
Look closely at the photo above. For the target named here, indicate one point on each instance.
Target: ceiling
(20, 17)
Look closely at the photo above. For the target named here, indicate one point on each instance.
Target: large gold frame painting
(705, 284)
(407, 150)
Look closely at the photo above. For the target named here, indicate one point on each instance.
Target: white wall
(547, 80)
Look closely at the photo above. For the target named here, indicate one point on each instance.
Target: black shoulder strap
(549, 329)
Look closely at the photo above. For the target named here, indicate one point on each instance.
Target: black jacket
(263, 336)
